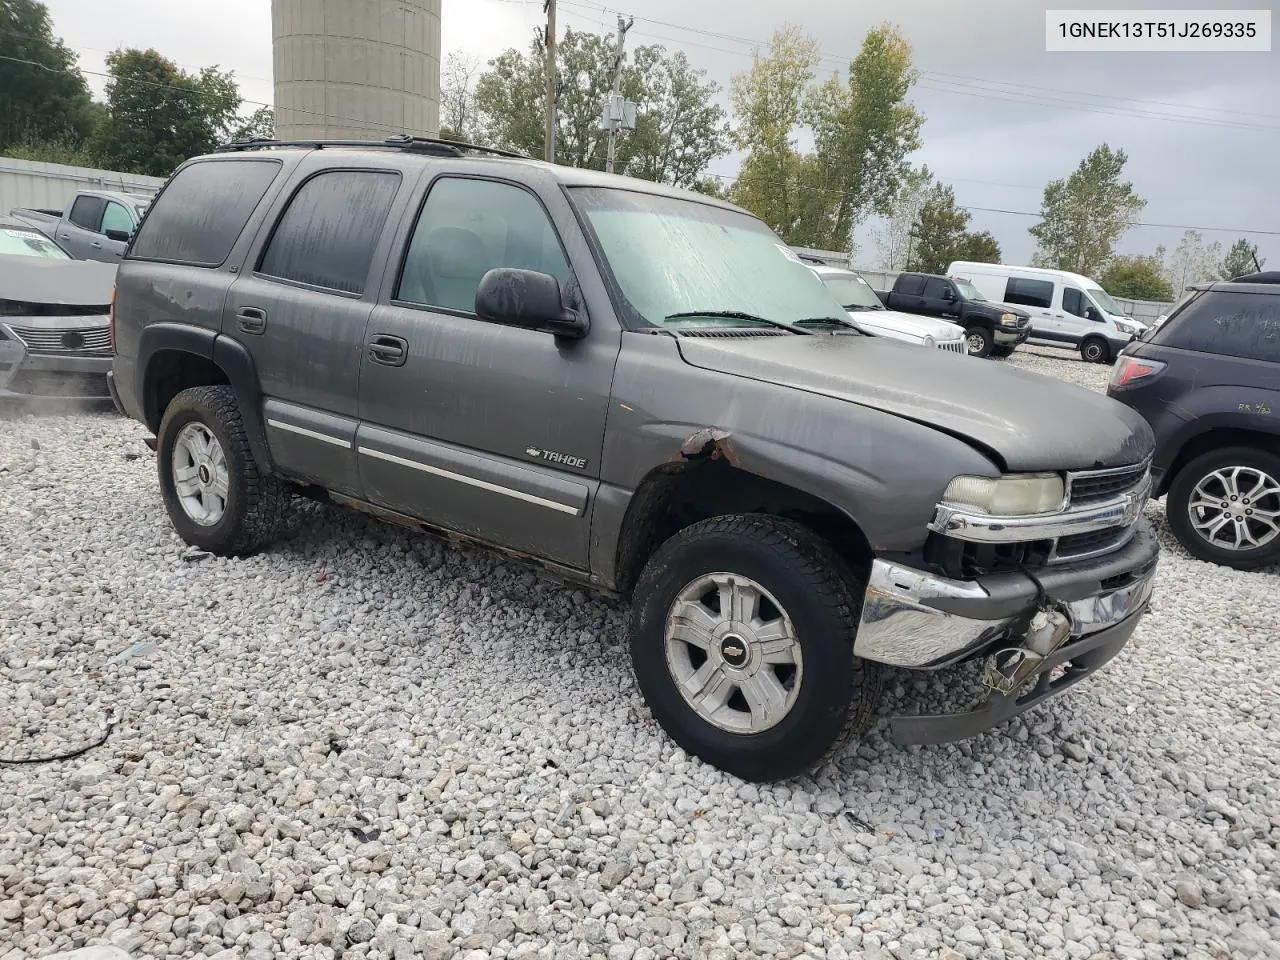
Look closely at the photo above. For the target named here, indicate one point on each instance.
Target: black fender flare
(228, 355)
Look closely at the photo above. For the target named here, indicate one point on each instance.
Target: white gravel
(365, 743)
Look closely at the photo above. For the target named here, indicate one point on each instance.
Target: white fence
(26, 183)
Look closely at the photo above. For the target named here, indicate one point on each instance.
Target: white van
(1067, 310)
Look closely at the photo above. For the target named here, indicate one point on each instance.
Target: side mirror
(948, 294)
(529, 299)
(1093, 315)
(124, 236)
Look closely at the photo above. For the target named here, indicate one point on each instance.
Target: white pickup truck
(96, 224)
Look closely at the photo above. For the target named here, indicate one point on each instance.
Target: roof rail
(400, 141)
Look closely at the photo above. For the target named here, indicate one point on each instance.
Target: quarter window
(202, 211)
(1227, 323)
(467, 228)
(327, 234)
(1029, 293)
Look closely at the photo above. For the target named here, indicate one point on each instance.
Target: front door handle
(251, 319)
(97, 244)
(389, 351)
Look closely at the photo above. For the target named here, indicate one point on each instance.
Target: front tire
(1224, 507)
(1095, 350)
(217, 497)
(742, 633)
(978, 341)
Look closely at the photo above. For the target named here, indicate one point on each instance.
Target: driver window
(469, 227)
(116, 217)
(1073, 302)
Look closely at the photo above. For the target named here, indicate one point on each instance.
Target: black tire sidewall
(987, 340)
(1179, 497)
(829, 677)
(1103, 351)
(194, 408)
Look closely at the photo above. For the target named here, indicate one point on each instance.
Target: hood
(995, 308)
(72, 283)
(1024, 421)
(910, 324)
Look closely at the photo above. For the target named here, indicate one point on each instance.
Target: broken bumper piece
(1032, 646)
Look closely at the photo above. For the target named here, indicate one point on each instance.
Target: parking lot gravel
(367, 743)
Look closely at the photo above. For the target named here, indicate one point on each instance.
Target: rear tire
(217, 496)
(1204, 485)
(1095, 350)
(978, 341)
(769, 689)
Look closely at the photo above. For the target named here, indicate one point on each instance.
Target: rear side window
(1226, 323)
(326, 236)
(1029, 293)
(202, 211)
(911, 286)
(86, 212)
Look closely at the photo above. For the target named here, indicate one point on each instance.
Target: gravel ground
(369, 744)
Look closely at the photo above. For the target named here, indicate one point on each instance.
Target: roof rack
(400, 141)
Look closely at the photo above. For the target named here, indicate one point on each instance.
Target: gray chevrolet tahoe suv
(643, 390)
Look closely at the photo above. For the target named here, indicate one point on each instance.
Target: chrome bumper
(903, 623)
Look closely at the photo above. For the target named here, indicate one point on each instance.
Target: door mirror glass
(529, 299)
(121, 235)
(1093, 314)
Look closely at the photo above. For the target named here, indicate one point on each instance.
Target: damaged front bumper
(1034, 645)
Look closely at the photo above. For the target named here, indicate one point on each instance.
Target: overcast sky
(1202, 131)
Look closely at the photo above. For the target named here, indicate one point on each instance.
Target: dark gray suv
(641, 389)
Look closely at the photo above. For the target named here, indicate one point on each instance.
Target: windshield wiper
(739, 315)
(845, 326)
(861, 306)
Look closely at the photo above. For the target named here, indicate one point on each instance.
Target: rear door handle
(389, 351)
(251, 319)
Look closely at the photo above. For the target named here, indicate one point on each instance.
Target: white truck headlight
(929, 342)
(1014, 495)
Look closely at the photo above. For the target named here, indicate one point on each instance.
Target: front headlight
(1014, 495)
(929, 342)
(1128, 328)
(1009, 319)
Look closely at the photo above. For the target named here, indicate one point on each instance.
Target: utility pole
(618, 56)
(550, 149)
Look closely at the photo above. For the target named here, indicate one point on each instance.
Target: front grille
(72, 340)
(1094, 486)
(954, 346)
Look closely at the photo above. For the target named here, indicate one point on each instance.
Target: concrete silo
(356, 69)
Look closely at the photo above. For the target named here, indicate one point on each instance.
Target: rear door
(79, 230)
(489, 430)
(300, 307)
(908, 294)
(1037, 297)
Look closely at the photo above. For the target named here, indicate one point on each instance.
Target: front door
(300, 310)
(485, 429)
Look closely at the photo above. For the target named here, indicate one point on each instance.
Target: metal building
(356, 69)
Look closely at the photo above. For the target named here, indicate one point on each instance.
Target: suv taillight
(111, 323)
(1129, 370)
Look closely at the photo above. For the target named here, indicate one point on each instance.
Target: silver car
(55, 338)
(869, 314)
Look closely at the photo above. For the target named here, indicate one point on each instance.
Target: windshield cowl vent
(736, 334)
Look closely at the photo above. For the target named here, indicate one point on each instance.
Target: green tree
(1136, 278)
(260, 124)
(159, 115)
(43, 96)
(1240, 260)
(941, 235)
(458, 110)
(679, 127)
(768, 103)
(1085, 215)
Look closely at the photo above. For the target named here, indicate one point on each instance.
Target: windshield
(852, 291)
(672, 256)
(28, 243)
(1103, 299)
(968, 291)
